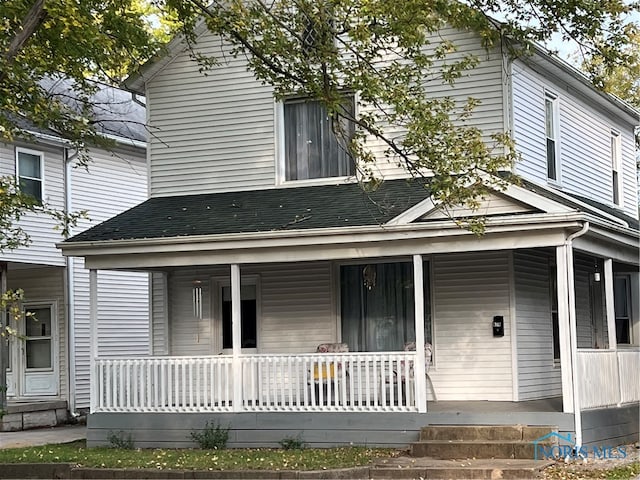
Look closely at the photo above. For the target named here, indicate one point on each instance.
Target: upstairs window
(315, 143)
(551, 132)
(616, 167)
(29, 170)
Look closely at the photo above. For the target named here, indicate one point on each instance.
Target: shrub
(120, 440)
(291, 443)
(212, 436)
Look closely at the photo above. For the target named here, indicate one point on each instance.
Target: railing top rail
(400, 354)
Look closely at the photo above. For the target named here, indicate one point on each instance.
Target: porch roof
(269, 210)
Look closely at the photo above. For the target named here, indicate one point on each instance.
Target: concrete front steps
(484, 441)
(35, 414)
(465, 452)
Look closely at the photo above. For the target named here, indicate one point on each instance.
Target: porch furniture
(405, 373)
(326, 374)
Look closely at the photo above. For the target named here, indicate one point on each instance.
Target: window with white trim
(622, 307)
(38, 340)
(616, 167)
(316, 143)
(29, 172)
(551, 133)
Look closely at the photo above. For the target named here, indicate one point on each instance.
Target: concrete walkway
(43, 436)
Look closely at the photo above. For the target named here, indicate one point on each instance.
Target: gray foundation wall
(267, 429)
(611, 426)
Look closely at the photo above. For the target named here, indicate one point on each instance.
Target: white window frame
(27, 307)
(280, 147)
(555, 112)
(629, 305)
(37, 153)
(616, 169)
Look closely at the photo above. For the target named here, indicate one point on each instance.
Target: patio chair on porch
(324, 374)
(400, 374)
(428, 351)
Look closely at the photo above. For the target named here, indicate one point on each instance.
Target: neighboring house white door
(34, 365)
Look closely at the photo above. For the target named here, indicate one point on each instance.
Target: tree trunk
(30, 23)
(4, 345)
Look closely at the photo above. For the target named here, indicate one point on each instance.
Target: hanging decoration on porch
(596, 274)
(197, 299)
(369, 276)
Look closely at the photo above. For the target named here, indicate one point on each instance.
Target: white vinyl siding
(537, 376)
(112, 184)
(159, 314)
(469, 289)
(40, 227)
(590, 313)
(210, 133)
(295, 310)
(45, 286)
(218, 132)
(584, 140)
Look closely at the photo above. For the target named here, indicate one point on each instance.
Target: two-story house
(48, 364)
(287, 301)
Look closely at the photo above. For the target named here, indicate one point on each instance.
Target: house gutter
(70, 265)
(573, 333)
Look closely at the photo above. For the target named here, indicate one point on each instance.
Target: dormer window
(316, 143)
(551, 132)
(29, 170)
(616, 167)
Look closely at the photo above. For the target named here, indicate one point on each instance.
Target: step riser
(506, 433)
(473, 450)
(455, 474)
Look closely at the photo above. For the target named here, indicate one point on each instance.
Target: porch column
(93, 339)
(609, 303)
(566, 365)
(420, 376)
(236, 337)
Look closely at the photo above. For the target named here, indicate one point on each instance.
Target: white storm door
(38, 359)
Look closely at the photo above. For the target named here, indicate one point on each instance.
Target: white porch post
(93, 339)
(566, 365)
(609, 299)
(419, 368)
(236, 336)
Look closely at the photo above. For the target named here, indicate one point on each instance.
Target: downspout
(573, 332)
(70, 265)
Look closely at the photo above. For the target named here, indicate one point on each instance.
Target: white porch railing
(608, 377)
(297, 382)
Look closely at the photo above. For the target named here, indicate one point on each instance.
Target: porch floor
(482, 406)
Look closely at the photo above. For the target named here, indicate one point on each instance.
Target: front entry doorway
(32, 367)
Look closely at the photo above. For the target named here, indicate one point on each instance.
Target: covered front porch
(239, 320)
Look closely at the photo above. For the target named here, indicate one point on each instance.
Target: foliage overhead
(85, 42)
(393, 54)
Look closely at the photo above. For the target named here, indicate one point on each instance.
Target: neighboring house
(48, 370)
(260, 255)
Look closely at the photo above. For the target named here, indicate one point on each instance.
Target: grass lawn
(196, 459)
(624, 472)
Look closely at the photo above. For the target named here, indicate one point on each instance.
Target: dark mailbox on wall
(498, 326)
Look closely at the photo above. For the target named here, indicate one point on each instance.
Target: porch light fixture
(369, 276)
(197, 299)
(596, 274)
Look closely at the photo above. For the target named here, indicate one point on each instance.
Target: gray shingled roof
(300, 208)
(632, 222)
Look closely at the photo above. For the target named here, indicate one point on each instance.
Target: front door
(35, 371)
(249, 318)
